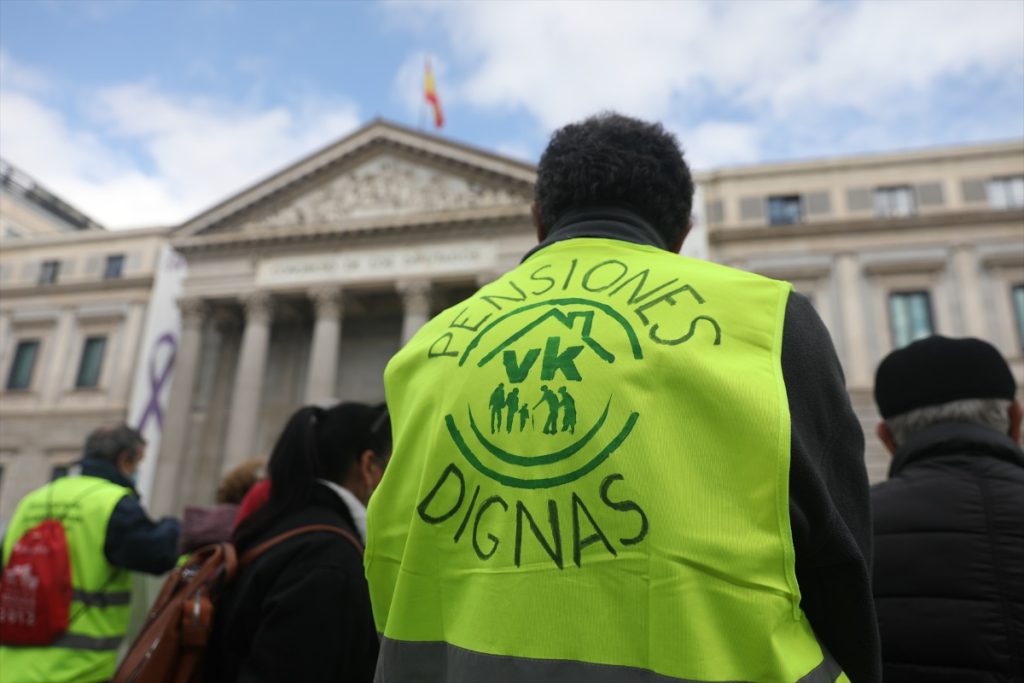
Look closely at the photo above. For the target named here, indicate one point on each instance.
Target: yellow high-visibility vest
(102, 593)
(590, 480)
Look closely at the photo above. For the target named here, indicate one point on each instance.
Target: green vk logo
(545, 414)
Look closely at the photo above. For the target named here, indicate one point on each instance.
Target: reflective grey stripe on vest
(101, 599)
(404, 661)
(76, 641)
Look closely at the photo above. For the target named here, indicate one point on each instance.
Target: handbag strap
(254, 553)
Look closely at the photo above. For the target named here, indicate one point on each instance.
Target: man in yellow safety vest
(108, 535)
(688, 500)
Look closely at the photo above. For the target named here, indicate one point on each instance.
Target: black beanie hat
(938, 370)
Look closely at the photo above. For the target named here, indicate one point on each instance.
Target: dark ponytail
(316, 443)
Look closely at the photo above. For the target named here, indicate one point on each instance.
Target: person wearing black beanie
(949, 550)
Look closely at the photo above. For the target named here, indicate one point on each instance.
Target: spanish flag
(430, 93)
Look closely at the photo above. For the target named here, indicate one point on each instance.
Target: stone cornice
(77, 287)
(724, 235)
(937, 155)
(386, 226)
(79, 239)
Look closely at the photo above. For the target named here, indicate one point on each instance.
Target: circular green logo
(545, 412)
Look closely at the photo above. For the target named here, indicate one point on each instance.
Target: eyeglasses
(379, 422)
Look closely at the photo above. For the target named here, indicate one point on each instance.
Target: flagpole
(423, 100)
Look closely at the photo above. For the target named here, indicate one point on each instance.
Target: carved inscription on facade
(372, 265)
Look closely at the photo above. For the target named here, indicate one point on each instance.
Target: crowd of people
(710, 520)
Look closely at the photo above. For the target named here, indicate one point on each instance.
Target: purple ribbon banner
(158, 377)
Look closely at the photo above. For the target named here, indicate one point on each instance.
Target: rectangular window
(1018, 308)
(1006, 192)
(910, 317)
(20, 376)
(114, 267)
(49, 272)
(786, 210)
(892, 202)
(91, 363)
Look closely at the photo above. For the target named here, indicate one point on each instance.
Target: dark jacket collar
(93, 467)
(602, 221)
(325, 497)
(951, 438)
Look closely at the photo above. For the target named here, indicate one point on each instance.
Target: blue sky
(145, 113)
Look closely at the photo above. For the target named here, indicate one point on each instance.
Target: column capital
(259, 307)
(416, 295)
(328, 302)
(225, 318)
(486, 277)
(193, 311)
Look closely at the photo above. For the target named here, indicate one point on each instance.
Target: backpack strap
(253, 554)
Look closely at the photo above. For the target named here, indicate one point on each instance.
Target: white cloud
(517, 150)
(716, 65)
(719, 143)
(14, 74)
(190, 152)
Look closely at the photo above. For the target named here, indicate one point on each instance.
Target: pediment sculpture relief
(384, 186)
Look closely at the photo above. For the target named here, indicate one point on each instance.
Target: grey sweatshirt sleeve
(828, 499)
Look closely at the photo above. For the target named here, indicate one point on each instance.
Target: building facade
(72, 305)
(889, 248)
(300, 288)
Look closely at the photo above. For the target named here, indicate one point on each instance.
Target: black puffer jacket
(301, 612)
(949, 558)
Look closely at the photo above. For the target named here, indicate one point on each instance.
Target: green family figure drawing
(505, 408)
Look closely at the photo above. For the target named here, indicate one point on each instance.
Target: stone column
(61, 359)
(174, 435)
(323, 356)
(248, 390)
(125, 367)
(851, 305)
(416, 306)
(969, 295)
(486, 277)
(5, 342)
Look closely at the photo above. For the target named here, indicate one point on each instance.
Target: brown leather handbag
(171, 645)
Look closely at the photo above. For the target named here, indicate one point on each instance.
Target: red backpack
(35, 589)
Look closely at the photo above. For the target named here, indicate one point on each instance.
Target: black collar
(94, 467)
(602, 221)
(951, 438)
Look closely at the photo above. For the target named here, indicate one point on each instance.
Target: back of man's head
(110, 441)
(938, 379)
(610, 160)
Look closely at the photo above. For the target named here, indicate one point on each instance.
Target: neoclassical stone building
(302, 287)
(74, 300)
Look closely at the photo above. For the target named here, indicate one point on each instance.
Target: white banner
(155, 365)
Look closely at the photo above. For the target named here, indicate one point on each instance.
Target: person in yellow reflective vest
(685, 498)
(109, 535)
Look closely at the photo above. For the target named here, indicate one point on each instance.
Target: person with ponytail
(301, 610)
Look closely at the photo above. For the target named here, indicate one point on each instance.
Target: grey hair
(108, 442)
(988, 412)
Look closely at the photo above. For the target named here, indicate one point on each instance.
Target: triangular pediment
(386, 185)
(380, 171)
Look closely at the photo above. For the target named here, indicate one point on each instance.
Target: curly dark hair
(615, 160)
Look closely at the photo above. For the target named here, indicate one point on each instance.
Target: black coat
(949, 558)
(301, 612)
